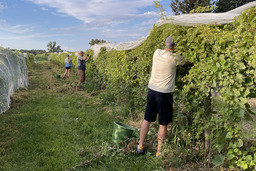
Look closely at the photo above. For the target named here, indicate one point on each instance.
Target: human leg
(79, 81)
(165, 106)
(161, 137)
(69, 72)
(82, 76)
(65, 73)
(143, 132)
(150, 116)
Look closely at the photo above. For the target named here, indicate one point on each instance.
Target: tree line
(32, 51)
(186, 6)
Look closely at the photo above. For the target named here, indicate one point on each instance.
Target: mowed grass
(41, 58)
(52, 126)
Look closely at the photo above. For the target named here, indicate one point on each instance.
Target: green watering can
(122, 132)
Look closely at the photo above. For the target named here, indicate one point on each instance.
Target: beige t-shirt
(164, 71)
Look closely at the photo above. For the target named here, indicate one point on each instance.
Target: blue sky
(31, 24)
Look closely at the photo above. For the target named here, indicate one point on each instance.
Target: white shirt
(164, 71)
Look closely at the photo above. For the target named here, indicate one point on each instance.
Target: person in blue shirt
(68, 64)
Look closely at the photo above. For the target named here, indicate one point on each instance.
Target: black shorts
(68, 67)
(161, 103)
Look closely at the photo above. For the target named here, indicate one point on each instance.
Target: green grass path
(52, 126)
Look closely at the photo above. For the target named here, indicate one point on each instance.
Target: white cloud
(21, 29)
(148, 23)
(59, 14)
(44, 9)
(17, 29)
(117, 33)
(149, 18)
(103, 10)
(153, 13)
(111, 20)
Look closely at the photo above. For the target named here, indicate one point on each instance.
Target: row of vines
(211, 97)
(13, 74)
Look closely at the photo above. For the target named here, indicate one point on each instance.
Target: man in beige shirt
(159, 98)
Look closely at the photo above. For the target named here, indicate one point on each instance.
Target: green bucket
(58, 76)
(122, 132)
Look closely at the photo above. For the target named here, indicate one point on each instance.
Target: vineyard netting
(183, 20)
(13, 75)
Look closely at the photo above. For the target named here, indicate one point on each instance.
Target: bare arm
(187, 62)
(85, 59)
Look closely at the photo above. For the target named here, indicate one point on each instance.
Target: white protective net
(13, 75)
(183, 20)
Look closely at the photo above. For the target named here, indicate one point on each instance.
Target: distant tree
(53, 47)
(224, 5)
(175, 6)
(185, 6)
(96, 41)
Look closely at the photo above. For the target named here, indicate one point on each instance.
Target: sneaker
(158, 154)
(140, 150)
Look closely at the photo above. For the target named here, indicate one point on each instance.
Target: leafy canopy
(53, 47)
(96, 41)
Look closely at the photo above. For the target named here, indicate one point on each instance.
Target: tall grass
(51, 126)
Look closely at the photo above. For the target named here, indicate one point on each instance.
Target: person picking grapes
(81, 67)
(160, 88)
